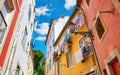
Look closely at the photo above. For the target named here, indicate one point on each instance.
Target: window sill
(68, 68)
(100, 39)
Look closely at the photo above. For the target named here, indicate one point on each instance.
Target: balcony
(67, 46)
(63, 47)
(77, 22)
(58, 51)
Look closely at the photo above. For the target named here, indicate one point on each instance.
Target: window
(59, 68)
(50, 65)
(119, 1)
(105, 72)
(54, 69)
(4, 9)
(88, 2)
(2, 27)
(77, 22)
(69, 59)
(17, 71)
(29, 13)
(99, 28)
(9, 5)
(24, 38)
(112, 62)
(47, 67)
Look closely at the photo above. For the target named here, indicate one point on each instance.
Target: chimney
(62, 16)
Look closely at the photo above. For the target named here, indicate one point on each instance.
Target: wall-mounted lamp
(83, 33)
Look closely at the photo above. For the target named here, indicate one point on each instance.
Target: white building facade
(18, 57)
(49, 62)
(55, 29)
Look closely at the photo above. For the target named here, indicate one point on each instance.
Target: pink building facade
(103, 18)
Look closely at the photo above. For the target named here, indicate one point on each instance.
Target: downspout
(91, 38)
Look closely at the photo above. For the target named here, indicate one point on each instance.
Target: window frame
(103, 24)
(7, 18)
(93, 69)
(2, 39)
(99, 25)
(50, 65)
(3, 18)
(24, 42)
(69, 64)
(47, 67)
(59, 67)
(17, 72)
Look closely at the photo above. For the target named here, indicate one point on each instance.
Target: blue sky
(45, 11)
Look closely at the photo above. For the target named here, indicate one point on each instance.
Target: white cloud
(40, 38)
(43, 10)
(41, 28)
(69, 4)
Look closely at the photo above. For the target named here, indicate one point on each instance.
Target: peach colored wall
(111, 40)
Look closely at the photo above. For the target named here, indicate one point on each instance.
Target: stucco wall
(110, 40)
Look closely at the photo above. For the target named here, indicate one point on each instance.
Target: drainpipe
(91, 38)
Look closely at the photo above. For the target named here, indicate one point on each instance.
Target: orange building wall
(8, 38)
(76, 68)
(111, 40)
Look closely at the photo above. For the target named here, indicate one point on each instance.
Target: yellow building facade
(30, 63)
(76, 55)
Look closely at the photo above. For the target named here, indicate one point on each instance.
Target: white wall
(59, 26)
(20, 55)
